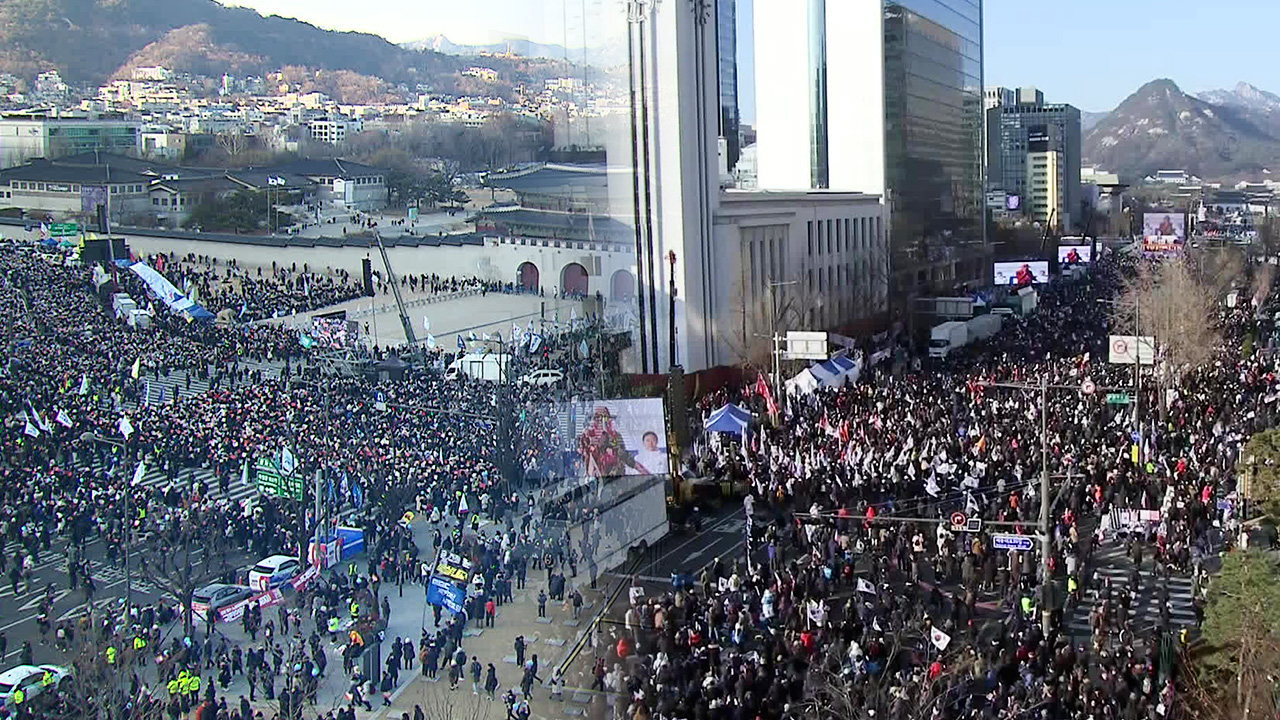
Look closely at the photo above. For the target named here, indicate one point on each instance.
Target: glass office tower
(727, 67)
(934, 142)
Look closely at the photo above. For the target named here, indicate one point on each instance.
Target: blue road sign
(1135, 436)
(1012, 542)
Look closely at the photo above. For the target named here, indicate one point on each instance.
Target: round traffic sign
(1120, 346)
(958, 518)
(1087, 387)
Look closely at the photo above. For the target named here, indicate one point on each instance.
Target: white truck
(480, 366)
(947, 338)
(982, 327)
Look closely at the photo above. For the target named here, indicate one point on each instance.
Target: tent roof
(393, 362)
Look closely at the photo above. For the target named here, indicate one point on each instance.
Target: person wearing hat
(602, 448)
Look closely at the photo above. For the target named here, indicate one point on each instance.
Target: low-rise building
(340, 183)
(25, 136)
(45, 189)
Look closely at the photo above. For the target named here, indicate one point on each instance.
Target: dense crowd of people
(842, 610)
(74, 369)
(855, 598)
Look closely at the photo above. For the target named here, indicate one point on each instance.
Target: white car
(273, 572)
(542, 378)
(30, 678)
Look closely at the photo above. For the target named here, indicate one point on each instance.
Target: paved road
(1110, 562)
(687, 553)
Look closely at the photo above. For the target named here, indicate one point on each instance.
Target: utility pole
(1046, 536)
(128, 519)
(777, 339)
(1046, 504)
(671, 304)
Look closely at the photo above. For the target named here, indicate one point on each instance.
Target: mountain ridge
(1161, 127)
(101, 39)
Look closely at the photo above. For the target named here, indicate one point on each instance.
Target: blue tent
(730, 419)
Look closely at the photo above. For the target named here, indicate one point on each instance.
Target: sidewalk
(552, 639)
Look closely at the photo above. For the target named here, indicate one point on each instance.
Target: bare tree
(98, 687)
(183, 559)
(831, 693)
(233, 144)
(1264, 276)
(1169, 303)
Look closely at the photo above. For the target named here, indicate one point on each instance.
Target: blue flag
(461, 345)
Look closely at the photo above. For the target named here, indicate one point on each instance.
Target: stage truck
(607, 491)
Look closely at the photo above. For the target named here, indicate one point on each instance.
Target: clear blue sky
(1090, 53)
(1094, 53)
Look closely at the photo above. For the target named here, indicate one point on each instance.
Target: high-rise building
(727, 66)
(1013, 129)
(1045, 195)
(884, 97)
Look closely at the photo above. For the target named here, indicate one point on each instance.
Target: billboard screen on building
(1075, 254)
(612, 438)
(1167, 226)
(1022, 273)
(1012, 202)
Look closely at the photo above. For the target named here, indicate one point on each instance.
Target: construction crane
(409, 337)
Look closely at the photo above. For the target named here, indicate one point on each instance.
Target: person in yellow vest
(355, 610)
(184, 683)
(139, 643)
(174, 686)
(1027, 608)
(19, 696)
(195, 685)
(47, 679)
(111, 655)
(333, 626)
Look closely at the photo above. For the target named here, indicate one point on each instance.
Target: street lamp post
(92, 437)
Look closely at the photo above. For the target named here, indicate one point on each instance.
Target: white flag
(64, 419)
(137, 367)
(126, 427)
(244, 472)
(875, 624)
(931, 486)
(32, 430)
(817, 613)
(138, 472)
(462, 506)
(84, 384)
(940, 639)
(426, 323)
(287, 461)
(866, 587)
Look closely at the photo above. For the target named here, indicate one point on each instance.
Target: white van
(481, 366)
